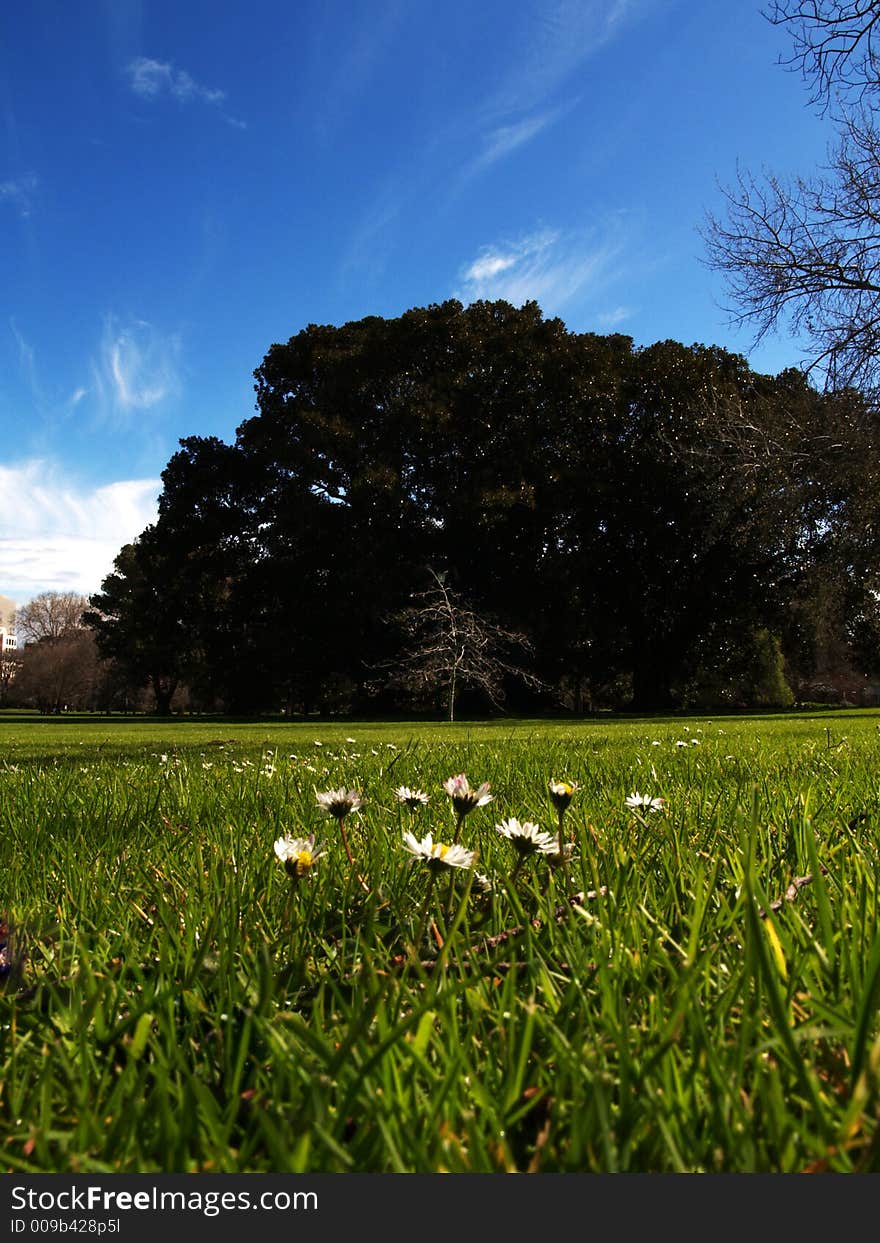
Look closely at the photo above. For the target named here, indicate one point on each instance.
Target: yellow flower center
(303, 861)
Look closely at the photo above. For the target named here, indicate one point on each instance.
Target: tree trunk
(164, 693)
(651, 691)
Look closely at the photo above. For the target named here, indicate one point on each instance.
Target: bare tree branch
(805, 256)
(52, 615)
(835, 46)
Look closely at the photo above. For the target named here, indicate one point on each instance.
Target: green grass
(183, 1006)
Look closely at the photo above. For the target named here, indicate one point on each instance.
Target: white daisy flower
(561, 793)
(298, 854)
(339, 803)
(464, 799)
(411, 798)
(437, 854)
(527, 838)
(644, 802)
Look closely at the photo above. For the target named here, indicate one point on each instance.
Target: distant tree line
(655, 527)
(56, 666)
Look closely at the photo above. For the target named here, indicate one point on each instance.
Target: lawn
(695, 989)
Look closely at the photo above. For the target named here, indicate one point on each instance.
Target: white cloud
(60, 536)
(548, 267)
(150, 78)
(154, 79)
(488, 267)
(610, 319)
(19, 192)
(137, 366)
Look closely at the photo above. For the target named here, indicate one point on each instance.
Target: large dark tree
(642, 517)
(436, 438)
(140, 617)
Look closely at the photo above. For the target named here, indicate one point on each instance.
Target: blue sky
(183, 184)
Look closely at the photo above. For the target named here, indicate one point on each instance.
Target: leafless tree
(60, 673)
(804, 254)
(50, 615)
(448, 645)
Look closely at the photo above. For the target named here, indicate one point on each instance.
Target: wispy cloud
(546, 42)
(550, 267)
(552, 39)
(27, 359)
(154, 79)
(372, 241)
(346, 68)
(60, 536)
(615, 316)
(505, 139)
(19, 193)
(137, 367)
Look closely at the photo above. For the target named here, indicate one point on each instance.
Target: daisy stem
(423, 917)
(456, 834)
(563, 862)
(449, 896)
(288, 906)
(345, 840)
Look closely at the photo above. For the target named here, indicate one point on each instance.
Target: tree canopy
(646, 519)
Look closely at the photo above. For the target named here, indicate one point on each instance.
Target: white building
(7, 625)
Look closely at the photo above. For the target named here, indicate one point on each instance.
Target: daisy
(644, 802)
(561, 793)
(410, 798)
(464, 799)
(298, 854)
(339, 803)
(527, 838)
(437, 854)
